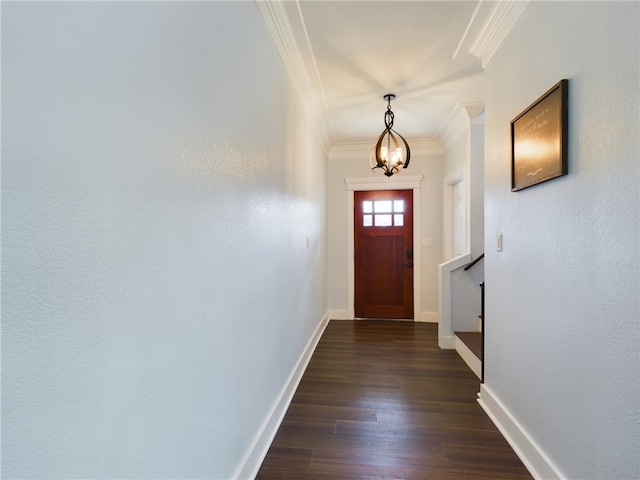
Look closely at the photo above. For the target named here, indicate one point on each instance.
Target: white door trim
(403, 182)
(447, 214)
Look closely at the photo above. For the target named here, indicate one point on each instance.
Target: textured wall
(159, 185)
(563, 341)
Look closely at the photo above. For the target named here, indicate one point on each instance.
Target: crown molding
(286, 26)
(499, 22)
(454, 126)
(426, 147)
(478, 120)
(344, 151)
(277, 21)
(459, 121)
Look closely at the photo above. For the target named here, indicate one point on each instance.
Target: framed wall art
(539, 139)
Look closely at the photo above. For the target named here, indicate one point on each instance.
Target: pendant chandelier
(391, 151)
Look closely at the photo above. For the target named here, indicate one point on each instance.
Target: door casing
(448, 213)
(401, 182)
(384, 285)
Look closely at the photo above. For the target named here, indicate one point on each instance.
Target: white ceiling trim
(495, 29)
(278, 21)
(275, 16)
(466, 31)
(425, 147)
(454, 126)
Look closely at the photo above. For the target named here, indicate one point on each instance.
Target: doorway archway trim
(404, 182)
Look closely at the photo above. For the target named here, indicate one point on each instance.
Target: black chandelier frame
(391, 138)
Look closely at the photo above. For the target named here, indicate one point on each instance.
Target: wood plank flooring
(381, 400)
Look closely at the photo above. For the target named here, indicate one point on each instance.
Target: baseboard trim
(447, 342)
(338, 314)
(424, 317)
(429, 317)
(474, 363)
(529, 452)
(252, 461)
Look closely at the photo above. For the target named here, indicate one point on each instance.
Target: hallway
(380, 399)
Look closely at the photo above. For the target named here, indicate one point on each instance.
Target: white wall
(159, 184)
(476, 173)
(455, 168)
(347, 162)
(562, 346)
(464, 158)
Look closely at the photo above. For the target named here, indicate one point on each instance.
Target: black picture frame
(539, 139)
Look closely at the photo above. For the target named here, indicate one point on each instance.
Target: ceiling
(347, 55)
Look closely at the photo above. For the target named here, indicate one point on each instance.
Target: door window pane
(383, 213)
(383, 220)
(383, 206)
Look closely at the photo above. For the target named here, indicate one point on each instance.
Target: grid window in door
(383, 213)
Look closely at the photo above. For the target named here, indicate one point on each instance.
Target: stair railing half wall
(446, 338)
(466, 269)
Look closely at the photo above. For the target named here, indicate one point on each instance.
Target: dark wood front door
(383, 240)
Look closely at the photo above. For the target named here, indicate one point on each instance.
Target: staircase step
(473, 340)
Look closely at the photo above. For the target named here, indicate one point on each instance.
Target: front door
(383, 241)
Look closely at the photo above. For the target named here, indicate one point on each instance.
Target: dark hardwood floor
(381, 400)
